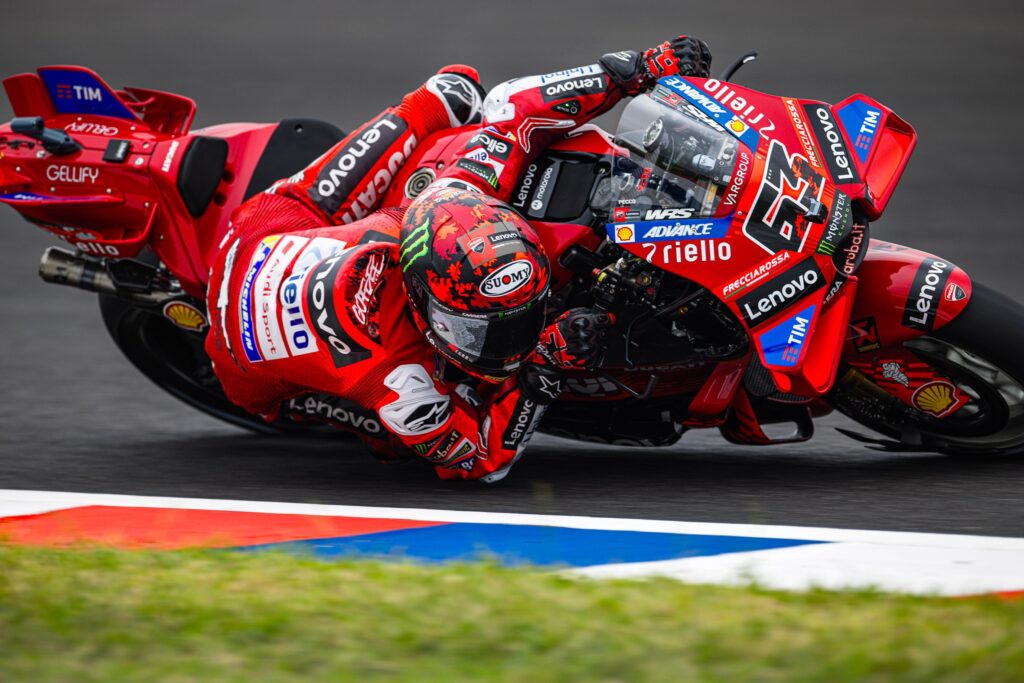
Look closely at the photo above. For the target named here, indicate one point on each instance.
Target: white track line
(11, 499)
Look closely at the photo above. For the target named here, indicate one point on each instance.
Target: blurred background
(76, 416)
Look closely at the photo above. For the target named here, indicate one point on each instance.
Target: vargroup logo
(507, 279)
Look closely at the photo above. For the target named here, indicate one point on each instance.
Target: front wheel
(980, 352)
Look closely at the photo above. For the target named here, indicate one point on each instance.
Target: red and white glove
(636, 72)
(576, 339)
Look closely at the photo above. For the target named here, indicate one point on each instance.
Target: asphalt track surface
(75, 416)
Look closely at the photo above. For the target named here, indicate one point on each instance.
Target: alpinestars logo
(781, 292)
(460, 99)
(419, 408)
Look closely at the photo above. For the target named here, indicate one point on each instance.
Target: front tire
(981, 352)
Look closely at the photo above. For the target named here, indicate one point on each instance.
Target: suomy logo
(507, 279)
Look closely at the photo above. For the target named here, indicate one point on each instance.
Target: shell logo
(624, 233)
(737, 126)
(185, 316)
(936, 398)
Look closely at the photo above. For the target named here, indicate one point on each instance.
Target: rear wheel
(980, 352)
(175, 360)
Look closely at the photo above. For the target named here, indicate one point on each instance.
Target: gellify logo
(507, 279)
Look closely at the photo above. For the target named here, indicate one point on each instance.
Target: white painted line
(896, 538)
(14, 508)
(912, 569)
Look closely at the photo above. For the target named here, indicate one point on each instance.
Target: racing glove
(576, 339)
(636, 72)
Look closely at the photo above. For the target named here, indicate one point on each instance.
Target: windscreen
(679, 158)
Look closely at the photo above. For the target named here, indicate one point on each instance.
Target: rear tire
(981, 351)
(176, 361)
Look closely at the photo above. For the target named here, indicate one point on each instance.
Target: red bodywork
(858, 148)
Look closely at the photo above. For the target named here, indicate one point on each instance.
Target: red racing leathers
(308, 320)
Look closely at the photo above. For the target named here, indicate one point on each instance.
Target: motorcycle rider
(420, 327)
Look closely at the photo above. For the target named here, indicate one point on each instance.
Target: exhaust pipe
(62, 267)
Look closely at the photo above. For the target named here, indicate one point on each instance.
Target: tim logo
(78, 92)
(790, 184)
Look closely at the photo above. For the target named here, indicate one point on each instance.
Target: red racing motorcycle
(727, 229)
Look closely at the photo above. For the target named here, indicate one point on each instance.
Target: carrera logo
(922, 303)
(832, 145)
(780, 292)
(507, 279)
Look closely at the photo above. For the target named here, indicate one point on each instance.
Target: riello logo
(507, 279)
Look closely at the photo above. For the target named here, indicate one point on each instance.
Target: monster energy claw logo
(415, 245)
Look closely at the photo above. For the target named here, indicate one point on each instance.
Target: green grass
(102, 615)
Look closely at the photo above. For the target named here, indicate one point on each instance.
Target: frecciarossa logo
(780, 292)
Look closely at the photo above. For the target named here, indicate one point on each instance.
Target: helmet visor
(493, 342)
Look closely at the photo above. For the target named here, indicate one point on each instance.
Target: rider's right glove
(636, 72)
(574, 341)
